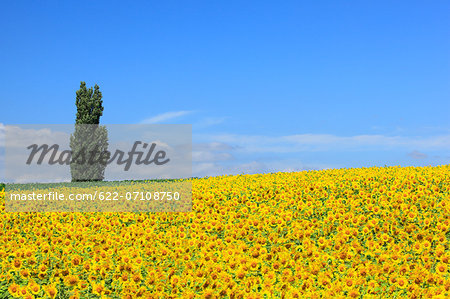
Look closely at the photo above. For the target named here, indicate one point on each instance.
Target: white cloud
(2, 135)
(249, 168)
(212, 146)
(208, 122)
(205, 169)
(165, 117)
(215, 169)
(248, 153)
(211, 152)
(21, 137)
(328, 142)
(204, 156)
(253, 167)
(417, 155)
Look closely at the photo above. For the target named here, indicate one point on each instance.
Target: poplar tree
(89, 142)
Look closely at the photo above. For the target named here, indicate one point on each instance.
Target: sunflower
(393, 279)
(34, 287)
(441, 268)
(17, 263)
(426, 245)
(354, 293)
(71, 280)
(417, 247)
(98, 288)
(372, 285)
(292, 293)
(321, 241)
(188, 295)
(76, 260)
(24, 274)
(276, 266)
(124, 277)
(82, 284)
(385, 237)
(14, 289)
(208, 293)
(137, 277)
(51, 291)
(402, 282)
(174, 280)
(254, 264)
(240, 274)
(324, 281)
(349, 282)
(42, 275)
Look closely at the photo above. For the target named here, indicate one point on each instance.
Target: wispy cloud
(212, 146)
(214, 169)
(165, 117)
(211, 152)
(328, 142)
(2, 135)
(209, 168)
(205, 156)
(208, 122)
(417, 155)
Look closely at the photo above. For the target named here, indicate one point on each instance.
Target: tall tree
(89, 142)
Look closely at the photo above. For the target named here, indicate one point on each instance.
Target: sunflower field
(363, 232)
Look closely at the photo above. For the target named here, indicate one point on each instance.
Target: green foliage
(89, 105)
(89, 142)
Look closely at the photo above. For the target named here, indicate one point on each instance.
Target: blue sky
(268, 86)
